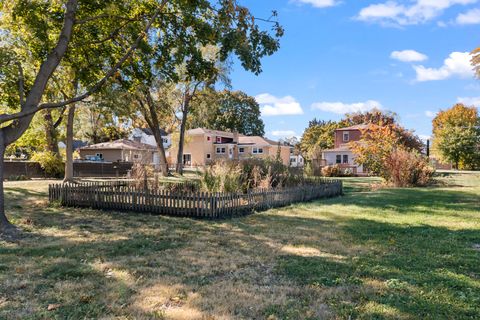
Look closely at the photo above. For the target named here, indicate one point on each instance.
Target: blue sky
(408, 56)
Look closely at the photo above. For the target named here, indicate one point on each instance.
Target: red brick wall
(355, 135)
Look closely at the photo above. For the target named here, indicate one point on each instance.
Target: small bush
(348, 172)
(407, 169)
(331, 171)
(50, 162)
(18, 178)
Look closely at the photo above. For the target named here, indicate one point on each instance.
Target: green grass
(384, 254)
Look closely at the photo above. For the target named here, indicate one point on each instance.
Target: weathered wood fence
(189, 204)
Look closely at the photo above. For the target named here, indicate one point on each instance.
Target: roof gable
(122, 144)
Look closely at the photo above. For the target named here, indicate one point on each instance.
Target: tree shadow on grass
(64, 281)
(424, 272)
(24, 192)
(427, 272)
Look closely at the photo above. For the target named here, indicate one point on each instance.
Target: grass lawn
(385, 254)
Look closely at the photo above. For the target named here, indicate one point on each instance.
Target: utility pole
(428, 148)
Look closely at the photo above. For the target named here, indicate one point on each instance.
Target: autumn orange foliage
(386, 152)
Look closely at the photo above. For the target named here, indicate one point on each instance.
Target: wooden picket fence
(188, 204)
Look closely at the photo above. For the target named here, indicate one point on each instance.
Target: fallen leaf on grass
(19, 270)
(52, 307)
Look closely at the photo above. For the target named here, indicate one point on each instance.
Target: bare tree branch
(60, 118)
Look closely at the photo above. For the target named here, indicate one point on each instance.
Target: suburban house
(145, 135)
(202, 146)
(296, 159)
(122, 150)
(341, 154)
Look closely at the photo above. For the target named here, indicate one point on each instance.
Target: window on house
(165, 141)
(230, 151)
(339, 158)
(346, 136)
(208, 139)
(209, 156)
(241, 150)
(293, 160)
(257, 150)
(187, 159)
(220, 150)
(345, 158)
(99, 155)
(219, 139)
(137, 156)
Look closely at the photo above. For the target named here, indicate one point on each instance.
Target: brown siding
(115, 155)
(355, 135)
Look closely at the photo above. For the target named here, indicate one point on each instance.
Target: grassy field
(384, 254)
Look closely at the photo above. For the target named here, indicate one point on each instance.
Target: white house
(145, 135)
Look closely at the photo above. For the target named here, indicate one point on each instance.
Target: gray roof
(122, 144)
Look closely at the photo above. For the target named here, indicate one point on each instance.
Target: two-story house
(203, 146)
(145, 136)
(341, 154)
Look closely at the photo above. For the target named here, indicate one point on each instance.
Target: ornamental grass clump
(222, 176)
(250, 174)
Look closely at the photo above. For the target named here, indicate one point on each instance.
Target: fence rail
(188, 204)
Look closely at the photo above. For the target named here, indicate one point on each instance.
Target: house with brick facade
(204, 146)
(341, 154)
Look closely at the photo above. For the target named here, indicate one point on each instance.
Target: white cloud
(430, 114)
(457, 64)
(470, 101)
(342, 108)
(408, 56)
(273, 106)
(469, 17)
(283, 133)
(395, 13)
(318, 3)
(424, 137)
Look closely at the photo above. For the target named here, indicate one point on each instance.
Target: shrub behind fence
(188, 204)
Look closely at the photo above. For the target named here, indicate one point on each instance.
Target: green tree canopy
(456, 136)
(318, 136)
(227, 111)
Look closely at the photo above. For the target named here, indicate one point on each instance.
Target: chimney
(235, 136)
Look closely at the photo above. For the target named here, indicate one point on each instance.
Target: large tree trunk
(161, 151)
(181, 140)
(69, 145)
(5, 226)
(51, 133)
(69, 139)
(152, 120)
